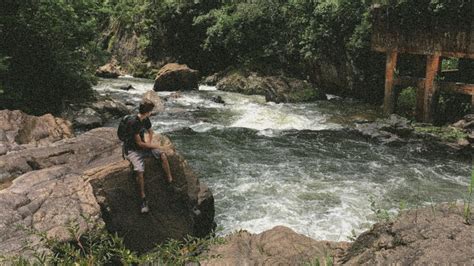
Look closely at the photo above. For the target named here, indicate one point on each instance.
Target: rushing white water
(294, 164)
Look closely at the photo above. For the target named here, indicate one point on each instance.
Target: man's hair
(146, 106)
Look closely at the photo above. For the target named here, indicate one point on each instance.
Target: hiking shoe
(144, 208)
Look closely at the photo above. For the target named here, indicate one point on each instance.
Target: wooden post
(426, 96)
(472, 104)
(389, 98)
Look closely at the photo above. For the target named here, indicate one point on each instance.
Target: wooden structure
(434, 42)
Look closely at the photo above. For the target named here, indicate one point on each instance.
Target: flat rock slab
(93, 148)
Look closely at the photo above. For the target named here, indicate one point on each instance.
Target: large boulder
(274, 88)
(18, 128)
(184, 208)
(109, 70)
(85, 178)
(172, 77)
(434, 235)
(278, 246)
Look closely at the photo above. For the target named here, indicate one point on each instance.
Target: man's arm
(144, 145)
(150, 135)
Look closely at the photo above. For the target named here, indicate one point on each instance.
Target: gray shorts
(137, 158)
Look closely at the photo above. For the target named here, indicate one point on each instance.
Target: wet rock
(94, 114)
(172, 77)
(18, 128)
(156, 99)
(417, 237)
(217, 99)
(470, 137)
(278, 246)
(274, 88)
(87, 118)
(212, 79)
(469, 117)
(126, 87)
(387, 131)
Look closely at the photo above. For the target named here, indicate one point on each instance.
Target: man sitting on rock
(137, 149)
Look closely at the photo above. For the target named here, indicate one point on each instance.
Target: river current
(296, 164)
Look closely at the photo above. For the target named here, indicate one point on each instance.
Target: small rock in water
(217, 99)
(126, 87)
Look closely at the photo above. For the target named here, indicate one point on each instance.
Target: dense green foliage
(406, 103)
(49, 48)
(427, 13)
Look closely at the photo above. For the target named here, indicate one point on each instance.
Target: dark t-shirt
(135, 126)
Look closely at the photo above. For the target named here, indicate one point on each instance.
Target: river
(295, 164)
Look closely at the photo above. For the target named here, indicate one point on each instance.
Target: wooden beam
(381, 49)
(456, 87)
(389, 98)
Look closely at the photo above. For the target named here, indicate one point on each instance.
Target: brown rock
(86, 177)
(47, 201)
(274, 88)
(174, 76)
(154, 98)
(278, 246)
(418, 237)
(185, 208)
(93, 148)
(109, 70)
(459, 124)
(18, 128)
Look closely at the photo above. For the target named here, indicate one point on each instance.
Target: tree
(51, 48)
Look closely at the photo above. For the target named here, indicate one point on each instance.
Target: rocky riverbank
(85, 180)
(432, 235)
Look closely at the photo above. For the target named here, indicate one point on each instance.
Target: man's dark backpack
(124, 131)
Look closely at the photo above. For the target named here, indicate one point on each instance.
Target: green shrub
(99, 247)
(406, 103)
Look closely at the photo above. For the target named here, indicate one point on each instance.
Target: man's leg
(141, 184)
(166, 166)
(137, 160)
(164, 163)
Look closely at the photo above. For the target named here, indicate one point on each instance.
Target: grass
(444, 133)
(100, 247)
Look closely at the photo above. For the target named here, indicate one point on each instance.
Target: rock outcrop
(274, 88)
(46, 201)
(184, 208)
(424, 236)
(19, 130)
(396, 130)
(172, 77)
(96, 114)
(91, 149)
(86, 177)
(437, 235)
(278, 246)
